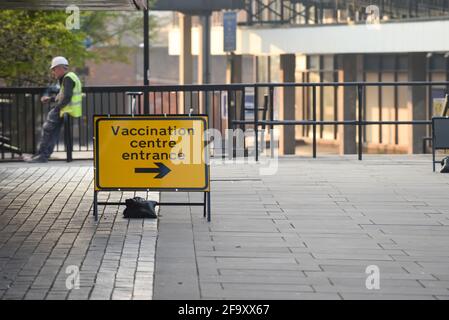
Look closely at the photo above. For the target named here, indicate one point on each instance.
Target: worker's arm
(68, 92)
(49, 94)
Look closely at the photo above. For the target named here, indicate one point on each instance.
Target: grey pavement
(310, 232)
(50, 246)
(307, 232)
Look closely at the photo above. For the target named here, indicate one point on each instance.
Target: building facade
(347, 41)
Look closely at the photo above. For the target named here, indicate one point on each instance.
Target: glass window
(313, 63)
(262, 69)
(301, 63)
(403, 111)
(388, 110)
(314, 77)
(275, 70)
(329, 16)
(372, 108)
(437, 62)
(300, 19)
(328, 63)
(299, 108)
(371, 62)
(328, 105)
(403, 62)
(388, 62)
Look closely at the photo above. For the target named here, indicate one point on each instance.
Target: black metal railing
(269, 12)
(360, 120)
(231, 106)
(22, 114)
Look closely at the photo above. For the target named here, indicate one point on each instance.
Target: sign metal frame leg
(205, 204)
(95, 213)
(208, 206)
(206, 209)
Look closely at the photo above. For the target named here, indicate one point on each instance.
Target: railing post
(314, 120)
(433, 145)
(68, 137)
(231, 127)
(146, 60)
(262, 142)
(146, 101)
(271, 119)
(360, 120)
(256, 122)
(33, 123)
(242, 117)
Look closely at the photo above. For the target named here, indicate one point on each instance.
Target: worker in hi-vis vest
(68, 100)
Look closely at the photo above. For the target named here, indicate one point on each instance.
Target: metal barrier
(360, 122)
(228, 106)
(22, 114)
(440, 129)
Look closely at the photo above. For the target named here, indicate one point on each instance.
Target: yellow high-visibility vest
(74, 108)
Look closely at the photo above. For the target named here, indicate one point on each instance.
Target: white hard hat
(57, 61)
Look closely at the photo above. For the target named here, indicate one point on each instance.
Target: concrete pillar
(349, 70)
(417, 100)
(185, 56)
(204, 59)
(234, 69)
(234, 75)
(299, 130)
(287, 140)
(204, 50)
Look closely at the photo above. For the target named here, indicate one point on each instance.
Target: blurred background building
(331, 41)
(315, 41)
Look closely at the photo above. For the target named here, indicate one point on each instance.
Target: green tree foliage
(119, 32)
(29, 39)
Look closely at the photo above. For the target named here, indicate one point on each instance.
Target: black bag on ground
(140, 208)
(445, 164)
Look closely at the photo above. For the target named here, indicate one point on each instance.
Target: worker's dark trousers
(50, 133)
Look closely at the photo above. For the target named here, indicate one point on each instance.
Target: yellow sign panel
(151, 152)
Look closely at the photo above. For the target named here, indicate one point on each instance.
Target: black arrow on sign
(162, 170)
